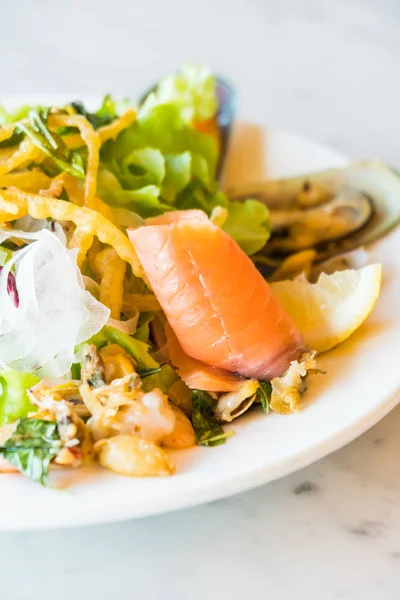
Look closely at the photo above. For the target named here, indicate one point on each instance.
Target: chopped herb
(136, 348)
(207, 429)
(76, 369)
(147, 372)
(51, 144)
(49, 168)
(31, 447)
(64, 195)
(15, 139)
(96, 120)
(264, 394)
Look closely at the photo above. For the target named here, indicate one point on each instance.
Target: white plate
(360, 387)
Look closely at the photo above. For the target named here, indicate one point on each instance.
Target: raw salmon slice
(219, 306)
(196, 374)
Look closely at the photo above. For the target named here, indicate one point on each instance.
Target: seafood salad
(141, 306)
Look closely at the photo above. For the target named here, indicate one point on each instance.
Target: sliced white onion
(91, 286)
(55, 312)
(129, 327)
(30, 225)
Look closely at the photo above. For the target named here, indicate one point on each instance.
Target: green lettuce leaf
(14, 402)
(248, 224)
(145, 166)
(192, 92)
(161, 163)
(163, 129)
(178, 171)
(144, 201)
(31, 447)
(8, 117)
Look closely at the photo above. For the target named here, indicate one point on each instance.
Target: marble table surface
(329, 70)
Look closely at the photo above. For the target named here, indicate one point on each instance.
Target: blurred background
(326, 69)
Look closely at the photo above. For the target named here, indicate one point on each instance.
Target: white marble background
(325, 68)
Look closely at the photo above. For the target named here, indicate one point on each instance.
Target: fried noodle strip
(9, 208)
(73, 141)
(55, 188)
(112, 270)
(6, 131)
(29, 181)
(92, 141)
(112, 130)
(26, 152)
(42, 207)
(81, 240)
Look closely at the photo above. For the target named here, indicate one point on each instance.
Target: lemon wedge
(329, 311)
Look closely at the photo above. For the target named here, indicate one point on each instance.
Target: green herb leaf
(51, 144)
(136, 348)
(147, 372)
(15, 139)
(264, 395)
(207, 429)
(31, 447)
(14, 402)
(64, 195)
(76, 369)
(49, 168)
(99, 119)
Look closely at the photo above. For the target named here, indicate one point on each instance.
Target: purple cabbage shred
(12, 288)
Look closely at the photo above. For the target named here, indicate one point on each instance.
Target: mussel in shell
(330, 212)
(340, 217)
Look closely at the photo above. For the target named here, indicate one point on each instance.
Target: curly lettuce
(248, 224)
(163, 163)
(191, 91)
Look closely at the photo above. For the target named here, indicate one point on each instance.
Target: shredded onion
(55, 312)
(129, 327)
(30, 225)
(91, 286)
